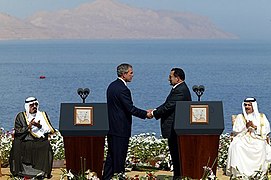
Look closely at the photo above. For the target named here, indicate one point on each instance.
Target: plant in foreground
(5, 144)
(87, 175)
(208, 172)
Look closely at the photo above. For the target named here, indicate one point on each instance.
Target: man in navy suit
(166, 112)
(120, 111)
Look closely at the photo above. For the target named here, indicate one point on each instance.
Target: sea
(230, 71)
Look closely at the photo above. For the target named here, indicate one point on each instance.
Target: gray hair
(123, 68)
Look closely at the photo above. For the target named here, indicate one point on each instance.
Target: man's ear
(179, 79)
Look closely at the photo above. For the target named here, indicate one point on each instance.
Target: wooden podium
(198, 125)
(84, 127)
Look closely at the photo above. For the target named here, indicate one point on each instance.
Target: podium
(84, 127)
(198, 125)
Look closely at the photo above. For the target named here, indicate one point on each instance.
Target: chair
(233, 118)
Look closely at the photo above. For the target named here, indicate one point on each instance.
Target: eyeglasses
(247, 104)
(34, 104)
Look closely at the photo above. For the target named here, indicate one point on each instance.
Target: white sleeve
(267, 125)
(239, 124)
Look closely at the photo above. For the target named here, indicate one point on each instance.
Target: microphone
(195, 88)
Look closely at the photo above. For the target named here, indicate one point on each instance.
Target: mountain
(108, 19)
(13, 28)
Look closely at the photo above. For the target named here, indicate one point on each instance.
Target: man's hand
(34, 123)
(37, 124)
(149, 114)
(31, 123)
(251, 125)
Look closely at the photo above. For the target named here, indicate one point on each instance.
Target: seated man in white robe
(247, 152)
(31, 154)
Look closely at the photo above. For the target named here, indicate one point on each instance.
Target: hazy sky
(248, 19)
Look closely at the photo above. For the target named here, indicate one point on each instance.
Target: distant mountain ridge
(14, 28)
(108, 19)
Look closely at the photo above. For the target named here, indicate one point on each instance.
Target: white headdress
(28, 101)
(253, 101)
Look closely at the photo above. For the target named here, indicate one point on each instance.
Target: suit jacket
(166, 111)
(120, 109)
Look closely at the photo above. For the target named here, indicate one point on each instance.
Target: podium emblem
(199, 114)
(83, 115)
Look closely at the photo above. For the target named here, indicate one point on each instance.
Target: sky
(248, 19)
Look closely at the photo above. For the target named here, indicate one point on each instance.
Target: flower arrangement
(145, 150)
(57, 143)
(5, 144)
(83, 174)
(224, 143)
(208, 172)
(122, 176)
(87, 175)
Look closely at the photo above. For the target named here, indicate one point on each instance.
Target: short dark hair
(123, 68)
(178, 72)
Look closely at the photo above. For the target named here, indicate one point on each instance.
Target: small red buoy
(42, 77)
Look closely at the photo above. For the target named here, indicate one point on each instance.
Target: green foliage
(56, 141)
(146, 149)
(143, 150)
(148, 176)
(5, 144)
(224, 143)
(87, 175)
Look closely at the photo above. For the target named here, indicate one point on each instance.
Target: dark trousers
(116, 156)
(174, 152)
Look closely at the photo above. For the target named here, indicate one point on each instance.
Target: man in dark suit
(120, 111)
(166, 112)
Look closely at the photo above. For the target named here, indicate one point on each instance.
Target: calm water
(230, 71)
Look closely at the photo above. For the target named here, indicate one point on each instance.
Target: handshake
(149, 113)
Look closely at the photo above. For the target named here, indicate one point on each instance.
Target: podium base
(83, 153)
(195, 152)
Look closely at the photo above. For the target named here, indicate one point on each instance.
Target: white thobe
(247, 152)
